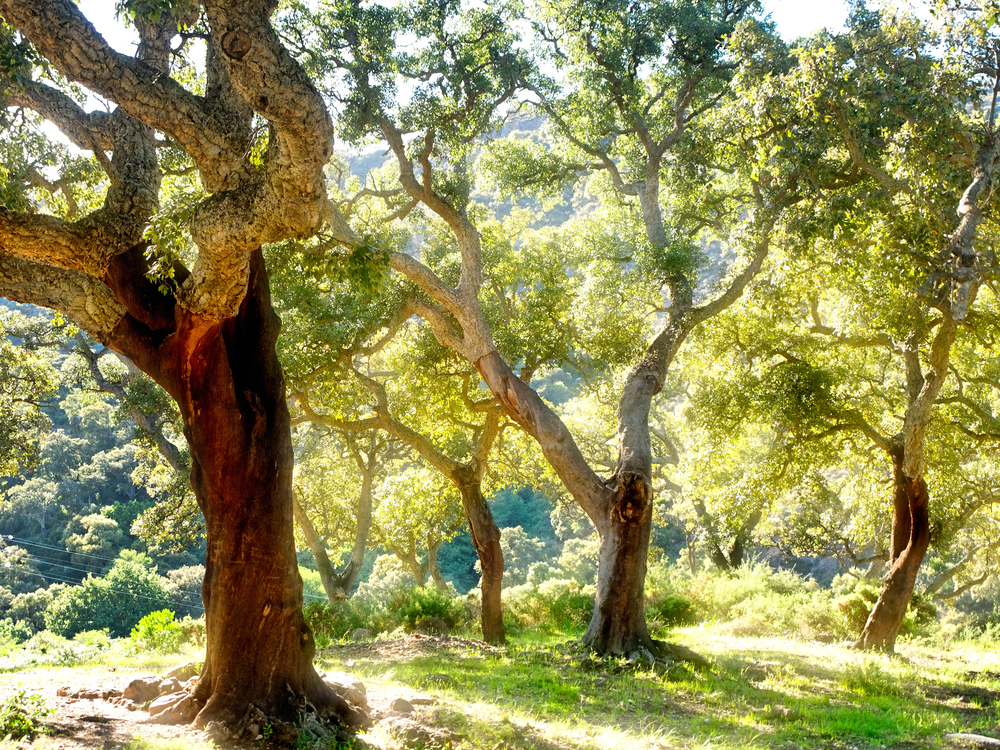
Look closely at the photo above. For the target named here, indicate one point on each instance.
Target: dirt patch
(97, 724)
(85, 724)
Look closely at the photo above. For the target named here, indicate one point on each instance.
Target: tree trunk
(486, 540)
(910, 512)
(228, 383)
(692, 553)
(339, 585)
(618, 625)
(432, 564)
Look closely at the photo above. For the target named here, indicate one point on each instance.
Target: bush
(193, 630)
(553, 606)
(15, 632)
(420, 607)
(671, 610)
(28, 609)
(859, 596)
(157, 631)
(129, 592)
(21, 714)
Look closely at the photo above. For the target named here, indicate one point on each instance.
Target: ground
(539, 694)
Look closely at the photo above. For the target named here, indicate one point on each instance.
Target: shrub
(129, 592)
(671, 609)
(557, 605)
(21, 714)
(157, 631)
(418, 607)
(193, 630)
(859, 597)
(15, 632)
(95, 639)
(28, 609)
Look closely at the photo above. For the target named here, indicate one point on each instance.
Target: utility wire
(122, 591)
(52, 561)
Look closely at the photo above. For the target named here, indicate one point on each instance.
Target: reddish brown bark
(228, 384)
(910, 516)
(486, 540)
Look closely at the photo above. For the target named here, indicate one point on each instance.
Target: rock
(641, 659)
(783, 712)
(755, 672)
(64, 691)
(402, 705)
(142, 689)
(349, 688)
(423, 701)
(183, 673)
(976, 740)
(414, 736)
(360, 634)
(218, 732)
(170, 685)
(174, 708)
(190, 684)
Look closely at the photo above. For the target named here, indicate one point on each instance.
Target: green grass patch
(761, 693)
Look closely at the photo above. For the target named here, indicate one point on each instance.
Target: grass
(762, 693)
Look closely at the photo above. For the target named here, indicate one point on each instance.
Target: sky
(795, 18)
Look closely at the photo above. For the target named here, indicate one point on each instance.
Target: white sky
(796, 18)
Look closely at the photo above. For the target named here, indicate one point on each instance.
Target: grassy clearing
(762, 693)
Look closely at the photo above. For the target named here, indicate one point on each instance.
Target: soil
(96, 724)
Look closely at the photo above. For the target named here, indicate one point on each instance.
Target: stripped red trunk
(910, 538)
(228, 384)
(486, 540)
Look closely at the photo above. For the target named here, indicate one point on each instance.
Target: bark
(339, 585)
(910, 512)
(227, 381)
(486, 540)
(467, 477)
(618, 625)
(432, 566)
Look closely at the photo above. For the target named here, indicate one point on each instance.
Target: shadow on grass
(752, 697)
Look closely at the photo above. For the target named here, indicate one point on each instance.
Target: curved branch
(79, 296)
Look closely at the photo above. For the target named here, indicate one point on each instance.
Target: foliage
(21, 714)
(157, 631)
(389, 604)
(422, 607)
(116, 602)
(554, 606)
(857, 596)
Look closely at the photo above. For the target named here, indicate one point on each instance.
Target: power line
(122, 591)
(52, 561)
